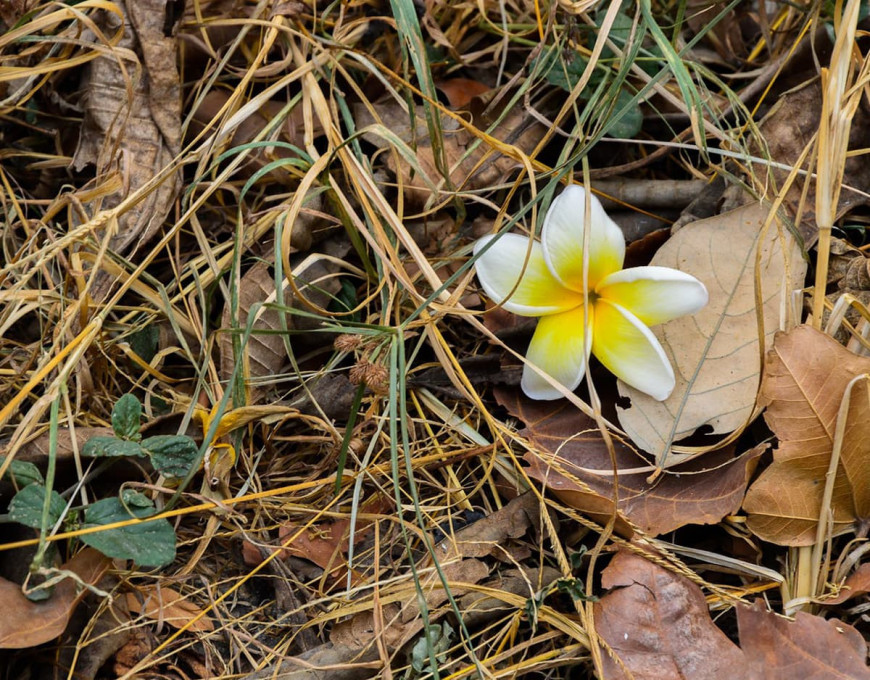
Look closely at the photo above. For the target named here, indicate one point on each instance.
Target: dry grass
(283, 153)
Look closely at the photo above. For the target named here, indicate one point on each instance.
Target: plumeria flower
(611, 319)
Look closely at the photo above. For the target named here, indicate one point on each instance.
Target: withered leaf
(789, 127)
(403, 621)
(266, 354)
(27, 624)
(469, 169)
(657, 624)
(715, 352)
(490, 535)
(168, 606)
(805, 378)
(857, 583)
(810, 647)
(144, 130)
(579, 471)
(36, 450)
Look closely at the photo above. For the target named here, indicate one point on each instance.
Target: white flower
(620, 305)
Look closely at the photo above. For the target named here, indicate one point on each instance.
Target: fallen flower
(609, 316)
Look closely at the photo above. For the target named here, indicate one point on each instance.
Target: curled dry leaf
(578, 470)
(492, 534)
(809, 648)
(168, 606)
(27, 624)
(658, 626)
(402, 621)
(805, 377)
(145, 130)
(715, 352)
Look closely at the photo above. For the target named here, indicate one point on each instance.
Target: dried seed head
(347, 342)
(374, 376)
(378, 378)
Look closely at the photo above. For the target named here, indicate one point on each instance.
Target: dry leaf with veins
(805, 378)
(715, 352)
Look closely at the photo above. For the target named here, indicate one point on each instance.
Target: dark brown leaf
(809, 648)
(789, 127)
(658, 625)
(579, 471)
(469, 171)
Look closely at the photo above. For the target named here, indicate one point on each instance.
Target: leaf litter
(256, 221)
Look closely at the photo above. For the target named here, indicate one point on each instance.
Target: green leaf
(110, 447)
(172, 455)
(26, 507)
(144, 342)
(150, 545)
(127, 417)
(629, 124)
(22, 472)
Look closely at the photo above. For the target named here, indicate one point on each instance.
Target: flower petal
(654, 294)
(500, 267)
(562, 239)
(630, 351)
(557, 348)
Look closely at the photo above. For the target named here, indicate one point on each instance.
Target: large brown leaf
(809, 648)
(579, 471)
(27, 624)
(805, 378)
(658, 624)
(715, 352)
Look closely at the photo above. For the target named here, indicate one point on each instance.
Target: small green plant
(150, 544)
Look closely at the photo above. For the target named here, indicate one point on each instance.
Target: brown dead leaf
(460, 91)
(809, 648)
(166, 605)
(27, 624)
(291, 130)
(265, 353)
(715, 352)
(657, 624)
(579, 471)
(492, 534)
(857, 583)
(790, 125)
(403, 621)
(36, 450)
(136, 132)
(806, 374)
(479, 169)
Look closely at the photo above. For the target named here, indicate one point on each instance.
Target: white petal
(557, 348)
(562, 239)
(630, 351)
(500, 268)
(654, 294)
